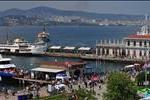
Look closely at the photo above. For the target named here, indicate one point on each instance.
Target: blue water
(68, 35)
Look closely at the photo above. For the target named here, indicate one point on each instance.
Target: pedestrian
(99, 86)
(85, 84)
(79, 86)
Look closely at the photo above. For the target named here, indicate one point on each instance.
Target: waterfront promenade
(95, 57)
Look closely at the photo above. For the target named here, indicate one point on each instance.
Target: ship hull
(21, 54)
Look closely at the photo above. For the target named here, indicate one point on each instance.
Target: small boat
(7, 69)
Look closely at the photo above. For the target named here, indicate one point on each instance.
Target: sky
(115, 7)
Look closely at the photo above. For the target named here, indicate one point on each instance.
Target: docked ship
(22, 47)
(7, 68)
(134, 46)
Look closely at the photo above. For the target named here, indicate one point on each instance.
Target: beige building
(135, 46)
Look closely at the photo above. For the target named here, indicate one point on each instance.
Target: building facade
(135, 46)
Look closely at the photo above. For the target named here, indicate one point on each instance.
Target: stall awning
(7, 66)
(129, 66)
(47, 70)
(69, 48)
(55, 47)
(84, 48)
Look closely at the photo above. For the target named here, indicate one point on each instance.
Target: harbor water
(70, 36)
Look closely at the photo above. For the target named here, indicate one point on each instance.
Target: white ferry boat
(20, 46)
(134, 46)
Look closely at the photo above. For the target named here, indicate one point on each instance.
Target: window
(140, 53)
(144, 53)
(140, 43)
(128, 52)
(134, 43)
(144, 43)
(134, 53)
(128, 43)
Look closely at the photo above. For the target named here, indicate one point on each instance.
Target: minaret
(144, 29)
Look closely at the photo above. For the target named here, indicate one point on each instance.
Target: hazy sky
(123, 7)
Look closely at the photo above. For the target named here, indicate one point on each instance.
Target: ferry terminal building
(135, 46)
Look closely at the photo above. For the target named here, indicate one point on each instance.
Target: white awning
(129, 66)
(84, 48)
(47, 70)
(7, 66)
(55, 47)
(69, 48)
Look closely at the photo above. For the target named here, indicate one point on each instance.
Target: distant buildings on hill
(63, 20)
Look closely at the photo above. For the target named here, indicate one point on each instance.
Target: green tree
(120, 87)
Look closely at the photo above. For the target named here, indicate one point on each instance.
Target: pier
(95, 57)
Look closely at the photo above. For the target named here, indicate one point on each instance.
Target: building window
(128, 52)
(140, 53)
(144, 43)
(134, 43)
(144, 53)
(107, 51)
(128, 43)
(140, 43)
(134, 53)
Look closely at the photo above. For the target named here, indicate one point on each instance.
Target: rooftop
(62, 65)
(137, 36)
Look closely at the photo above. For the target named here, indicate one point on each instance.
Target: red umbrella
(94, 78)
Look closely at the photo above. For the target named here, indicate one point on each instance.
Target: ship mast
(44, 28)
(7, 41)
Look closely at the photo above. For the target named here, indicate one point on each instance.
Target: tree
(83, 93)
(120, 87)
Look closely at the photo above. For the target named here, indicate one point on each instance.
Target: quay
(113, 59)
(95, 57)
(59, 54)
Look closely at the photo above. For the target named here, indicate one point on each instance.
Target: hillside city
(65, 20)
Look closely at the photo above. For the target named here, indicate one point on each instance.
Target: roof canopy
(69, 48)
(84, 48)
(55, 47)
(129, 66)
(136, 36)
(47, 70)
(7, 66)
(60, 65)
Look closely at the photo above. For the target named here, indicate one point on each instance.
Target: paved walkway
(99, 92)
(43, 92)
